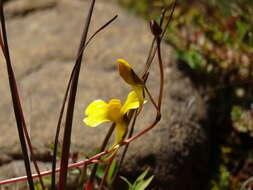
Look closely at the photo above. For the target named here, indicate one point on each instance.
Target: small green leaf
(130, 186)
(100, 171)
(141, 177)
(242, 29)
(236, 113)
(194, 59)
(143, 184)
(111, 172)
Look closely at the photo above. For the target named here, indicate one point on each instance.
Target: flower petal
(127, 73)
(93, 106)
(121, 129)
(140, 95)
(132, 102)
(97, 113)
(114, 107)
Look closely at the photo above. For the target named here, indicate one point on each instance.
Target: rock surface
(44, 37)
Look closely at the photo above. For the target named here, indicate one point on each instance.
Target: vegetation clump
(215, 39)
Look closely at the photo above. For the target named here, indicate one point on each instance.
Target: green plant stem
(101, 185)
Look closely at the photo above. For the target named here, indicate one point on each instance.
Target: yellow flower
(130, 77)
(99, 112)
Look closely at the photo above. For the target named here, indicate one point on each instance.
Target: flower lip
(97, 113)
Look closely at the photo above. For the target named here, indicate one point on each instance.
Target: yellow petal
(132, 102)
(121, 129)
(127, 73)
(93, 106)
(114, 113)
(97, 113)
(139, 94)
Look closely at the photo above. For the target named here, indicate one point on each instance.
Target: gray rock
(43, 44)
(23, 7)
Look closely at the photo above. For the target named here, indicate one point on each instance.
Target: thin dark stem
(158, 116)
(32, 153)
(53, 183)
(93, 159)
(169, 20)
(161, 73)
(71, 105)
(101, 185)
(158, 107)
(153, 48)
(24, 138)
(99, 30)
(151, 98)
(102, 148)
(83, 177)
(162, 16)
(151, 55)
(2, 45)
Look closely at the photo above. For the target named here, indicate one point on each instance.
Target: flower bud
(155, 28)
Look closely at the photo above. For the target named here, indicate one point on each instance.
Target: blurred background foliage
(215, 39)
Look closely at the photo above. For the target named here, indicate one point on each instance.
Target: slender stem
(170, 18)
(153, 48)
(101, 185)
(94, 159)
(158, 107)
(21, 125)
(71, 104)
(143, 131)
(2, 45)
(151, 98)
(161, 73)
(83, 177)
(53, 183)
(102, 148)
(247, 182)
(158, 116)
(33, 155)
(99, 30)
(64, 102)
(151, 55)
